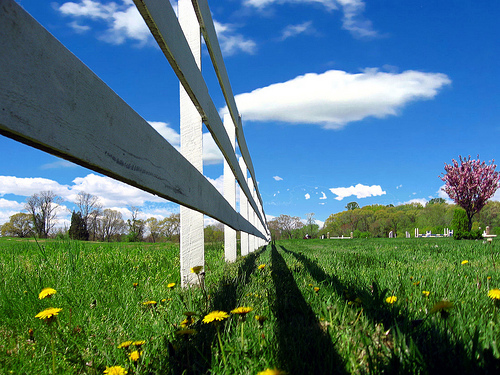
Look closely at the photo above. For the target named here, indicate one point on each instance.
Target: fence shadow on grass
(303, 345)
(225, 297)
(435, 346)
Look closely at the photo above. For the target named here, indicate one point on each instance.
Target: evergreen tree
(78, 229)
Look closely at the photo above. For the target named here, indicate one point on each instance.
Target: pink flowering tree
(470, 184)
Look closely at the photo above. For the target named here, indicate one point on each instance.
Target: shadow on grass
(193, 355)
(435, 346)
(303, 345)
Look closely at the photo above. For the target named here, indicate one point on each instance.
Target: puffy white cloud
(323, 195)
(360, 191)
(112, 192)
(123, 21)
(422, 201)
(277, 178)
(232, 42)
(308, 196)
(335, 98)
(29, 186)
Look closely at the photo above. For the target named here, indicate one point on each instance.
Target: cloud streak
(335, 98)
(360, 191)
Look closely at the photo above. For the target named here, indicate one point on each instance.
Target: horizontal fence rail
(50, 100)
(164, 25)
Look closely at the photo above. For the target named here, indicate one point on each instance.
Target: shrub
(466, 235)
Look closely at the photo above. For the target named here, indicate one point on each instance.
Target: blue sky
(341, 100)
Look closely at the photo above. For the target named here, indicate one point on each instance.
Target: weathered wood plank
(50, 100)
(161, 20)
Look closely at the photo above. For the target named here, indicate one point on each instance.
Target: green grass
(346, 326)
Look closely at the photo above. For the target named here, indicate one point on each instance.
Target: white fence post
(230, 252)
(192, 252)
(243, 210)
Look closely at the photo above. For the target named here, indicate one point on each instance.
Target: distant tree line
(379, 220)
(88, 222)
(435, 216)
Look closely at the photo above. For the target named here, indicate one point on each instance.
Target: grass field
(330, 306)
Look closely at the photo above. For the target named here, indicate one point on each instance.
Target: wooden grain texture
(50, 100)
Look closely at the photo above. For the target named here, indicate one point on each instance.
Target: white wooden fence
(50, 100)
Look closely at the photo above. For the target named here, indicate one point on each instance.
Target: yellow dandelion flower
(139, 343)
(270, 371)
(149, 303)
(465, 261)
(170, 285)
(261, 266)
(185, 332)
(316, 289)
(125, 344)
(416, 283)
(489, 277)
(135, 285)
(196, 269)
(115, 370)
(134, 356)
(46, 292)
(426, 293)
(48, 313)
(494, 294)
(215, 315)
(391, 299)
(241, 310)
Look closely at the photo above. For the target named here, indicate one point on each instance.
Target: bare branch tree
(43, 208)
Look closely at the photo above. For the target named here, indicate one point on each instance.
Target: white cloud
(323, 195)
(122, 20)
(308, 196)
(352, 20)
(277, 178)
(335, 98)
(294, 30)
(329, 4)
(360, 191)
(232, 42)
(211, 153)
(29, 186)
(399, 186)
(61, 163)
(422, 201)
(112, 192)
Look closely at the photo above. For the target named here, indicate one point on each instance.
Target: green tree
(352, 206)
(19, 225)
(136, 226)
(78, 228)
(460, 222)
